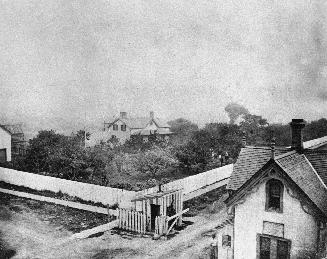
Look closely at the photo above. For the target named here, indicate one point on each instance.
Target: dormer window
(115, 127)
(274, 195)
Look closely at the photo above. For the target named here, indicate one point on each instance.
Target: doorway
(155, 211)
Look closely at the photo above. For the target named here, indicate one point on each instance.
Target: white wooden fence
(108, 195)
(131, 220)
(85, 191)
(195, 182)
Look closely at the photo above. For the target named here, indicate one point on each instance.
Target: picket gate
(131, 220)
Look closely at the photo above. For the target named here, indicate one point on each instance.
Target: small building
(124, 127)
(277, 204)
(155, 213)
(5, 145)
(18, 142)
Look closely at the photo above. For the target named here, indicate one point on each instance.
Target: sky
(66, 62)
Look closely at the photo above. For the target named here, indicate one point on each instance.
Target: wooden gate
(132, 220)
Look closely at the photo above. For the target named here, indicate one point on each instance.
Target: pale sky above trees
(60, 59)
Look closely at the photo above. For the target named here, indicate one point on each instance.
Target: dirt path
(34, 236)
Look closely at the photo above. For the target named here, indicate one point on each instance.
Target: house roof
(300, 170)
(318, 160)
(147, 132)
(14, 129)
(250, 160)
(5, 129)
(141, 122)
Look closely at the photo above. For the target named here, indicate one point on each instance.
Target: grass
(58, 195)
(71, 219)
(204, 201)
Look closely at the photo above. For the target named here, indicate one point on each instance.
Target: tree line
(136, 165)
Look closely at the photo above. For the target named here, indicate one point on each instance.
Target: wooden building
(155, 213)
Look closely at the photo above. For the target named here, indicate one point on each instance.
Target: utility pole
(84, 130)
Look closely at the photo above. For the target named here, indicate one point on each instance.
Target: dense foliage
(136, 165)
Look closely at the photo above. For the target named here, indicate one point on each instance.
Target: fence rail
(131, 220)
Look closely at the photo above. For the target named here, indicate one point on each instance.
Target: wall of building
(299, 227)
(121, 135)
(5, 142)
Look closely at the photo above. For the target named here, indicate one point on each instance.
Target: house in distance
(124, 127)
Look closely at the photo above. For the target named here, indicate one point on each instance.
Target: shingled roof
(308, 169)
(250, 160)
(299, 169)
(141, 122)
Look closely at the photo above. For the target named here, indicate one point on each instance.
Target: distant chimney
(272, 146)
(297, 138)
(152, 115)
(123, 115)
(243, 139)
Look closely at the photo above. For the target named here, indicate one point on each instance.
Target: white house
(124, 127)
(5, 145)
(277, 204)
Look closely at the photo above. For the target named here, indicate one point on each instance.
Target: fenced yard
(111, 196)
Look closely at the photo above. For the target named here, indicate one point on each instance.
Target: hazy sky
(188, 59)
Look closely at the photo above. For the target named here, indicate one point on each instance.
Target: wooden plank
(98, 229)
(172, 225)
(178, 214)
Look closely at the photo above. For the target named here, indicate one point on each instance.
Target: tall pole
(84, 130)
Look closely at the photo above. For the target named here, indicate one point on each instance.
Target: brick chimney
(151, 114)
(297, 137)
(123, 115)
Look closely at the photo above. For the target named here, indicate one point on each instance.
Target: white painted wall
(5, 142)
(299, 227)
(121, 135)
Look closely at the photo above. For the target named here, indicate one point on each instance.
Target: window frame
(115, 127)
(273, 245)
(281, 196)
(123, 127)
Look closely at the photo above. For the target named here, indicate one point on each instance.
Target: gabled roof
(299, 169)
(14, 129)
(141, 122)
(5, 129)
(147, 132)
(318, 160)
(250, 160)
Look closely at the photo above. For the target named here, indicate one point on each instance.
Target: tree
(155, 161)
(253, 126)
(234, 111)
(183, 129)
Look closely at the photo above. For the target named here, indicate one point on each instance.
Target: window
(270, 247)
(264, 248)
(274, 195)
(115, 127)
(226, 240)
(123, 127)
